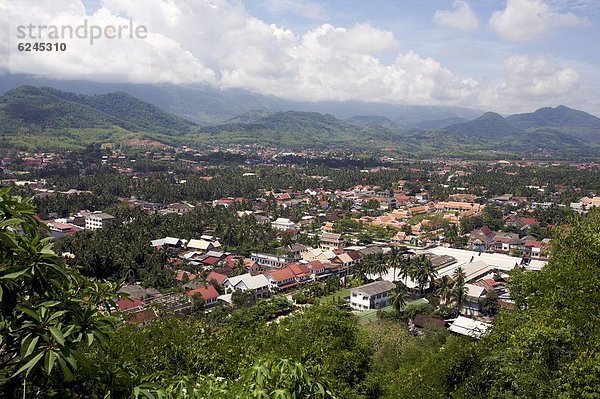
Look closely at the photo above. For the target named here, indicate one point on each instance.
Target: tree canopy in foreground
(56, 342)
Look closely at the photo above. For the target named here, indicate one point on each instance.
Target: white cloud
(529, 20)
(461, 17)
(529, 82)
(156, 59)
(219, 43)
(360, 39)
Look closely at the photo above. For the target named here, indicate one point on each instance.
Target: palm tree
(429, 271)
(399, 295)
(395, 260)
(360, 272)
(406, 268)
(380, 266)
(240, 266)
(459, 292)
(459, 275)
(424, 273)
(367, 265)
(444, 289)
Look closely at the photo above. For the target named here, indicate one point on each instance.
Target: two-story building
(270, 260)
(331, 241)
(375, 295)
(283, 224)
(281, 279)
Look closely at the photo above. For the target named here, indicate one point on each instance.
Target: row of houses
(484, 239)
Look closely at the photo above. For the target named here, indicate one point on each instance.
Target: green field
(340, 294)
(370, 315)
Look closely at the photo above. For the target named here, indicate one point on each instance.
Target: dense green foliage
(45, 118)
(48, 312)
(549, 347)
(123, 251)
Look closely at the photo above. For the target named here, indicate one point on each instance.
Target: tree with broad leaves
(47, 309)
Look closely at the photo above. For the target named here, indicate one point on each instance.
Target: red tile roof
(206, 292)
(530, 221)
(181, 273)
(218, 277)
(316, 265)
(126, 304)
(299, 269)
(211, 260)
(282, 274)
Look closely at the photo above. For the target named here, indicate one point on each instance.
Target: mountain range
(207, 105)
(34, 117)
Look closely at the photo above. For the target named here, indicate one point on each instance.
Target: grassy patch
(340, 294)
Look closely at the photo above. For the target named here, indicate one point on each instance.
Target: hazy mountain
(248, 117)
(567, 120)
(488, 125)
(371, 120)
(207, 105)
(293, 128)
(47, 118)
(438, 124)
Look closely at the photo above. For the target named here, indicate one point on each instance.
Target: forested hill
(30, 109)
(569, 123)
(578, 123)
(48, 119)
(297, 129)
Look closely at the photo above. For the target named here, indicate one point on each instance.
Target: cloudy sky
(501, 55)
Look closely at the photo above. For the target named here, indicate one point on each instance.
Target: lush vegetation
(49, 313)
(548, 347)
(123, 251)
(56, 342)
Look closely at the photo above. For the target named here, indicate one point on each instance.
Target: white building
(258, 284)
(374, 295)
(203, 245)
(475, 293)
(270, 261)
(283, 224)
(474, 263)
(97, 220)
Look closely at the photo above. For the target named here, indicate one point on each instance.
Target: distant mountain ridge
(488, 125)
(50, 118)
(209, 106)
(38, 109)
(561, 119)
(578, 123)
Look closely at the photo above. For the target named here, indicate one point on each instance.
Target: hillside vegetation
(29, 109)
(55, 341)
(46, 118)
